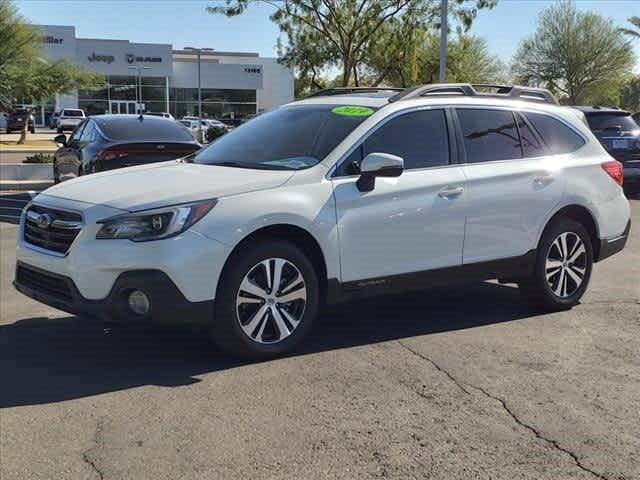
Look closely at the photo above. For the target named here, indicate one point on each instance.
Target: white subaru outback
(330, 198)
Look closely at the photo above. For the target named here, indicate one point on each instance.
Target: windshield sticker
(352, 111)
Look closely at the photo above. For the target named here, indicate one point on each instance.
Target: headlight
(154, 224)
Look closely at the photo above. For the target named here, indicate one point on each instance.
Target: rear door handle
(451, 192)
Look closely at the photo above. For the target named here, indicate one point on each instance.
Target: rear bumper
(168, 304)
(612, 246)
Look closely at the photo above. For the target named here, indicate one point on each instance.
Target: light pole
(138, 85)
(198, 52)
(443, 41)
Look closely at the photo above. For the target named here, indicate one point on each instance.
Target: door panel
(508, 201)
(407, 224)
(508, 196)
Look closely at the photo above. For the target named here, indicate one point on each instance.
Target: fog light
(139, 302)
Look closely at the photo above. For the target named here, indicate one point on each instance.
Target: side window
(89, 133)
(489, 135)
(558, 137)
(419, 137)
(531, 146)
(75, 136)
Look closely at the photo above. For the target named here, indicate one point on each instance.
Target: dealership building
(233, 84)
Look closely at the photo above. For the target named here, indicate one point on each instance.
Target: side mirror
(60, 140)
(378, 165)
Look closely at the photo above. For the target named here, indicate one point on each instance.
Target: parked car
(192, 125)
(69, 119)
(636, 117)
(160, 114)
(328, 199)
(620, 135)
(3, 121)
(17, 119)
(107, 142)
(53, 120)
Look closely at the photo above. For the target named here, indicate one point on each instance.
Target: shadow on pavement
(43, 360)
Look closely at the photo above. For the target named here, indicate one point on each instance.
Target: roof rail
(352, 90)
(482, 90)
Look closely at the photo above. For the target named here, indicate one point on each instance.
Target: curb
(28, 152)
(26, 171)
(24, 185)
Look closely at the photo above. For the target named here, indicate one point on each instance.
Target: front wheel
(563, 266)
(267, 300)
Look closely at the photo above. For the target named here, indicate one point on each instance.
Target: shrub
(39, 158)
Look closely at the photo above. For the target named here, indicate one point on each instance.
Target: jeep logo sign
(101, 58)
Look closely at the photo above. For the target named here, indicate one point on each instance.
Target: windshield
(611, 121)
(290, 138)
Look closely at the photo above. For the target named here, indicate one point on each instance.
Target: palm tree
(633, 32)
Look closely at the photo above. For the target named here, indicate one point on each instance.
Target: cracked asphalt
(453, 383)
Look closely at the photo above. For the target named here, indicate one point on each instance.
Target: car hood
(165, 183)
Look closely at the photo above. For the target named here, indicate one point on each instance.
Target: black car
(106, 142)
(16, 121)
(620, 135)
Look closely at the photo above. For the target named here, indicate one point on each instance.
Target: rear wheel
(563, 266)
(267, 300)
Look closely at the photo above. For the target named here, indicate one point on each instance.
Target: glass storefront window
(93, 107)
(212, 95)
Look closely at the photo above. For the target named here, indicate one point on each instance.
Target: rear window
(558, 136)
(611, 121)
(73, 113)
(147, 129)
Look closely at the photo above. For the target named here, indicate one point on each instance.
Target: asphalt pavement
(462, 382)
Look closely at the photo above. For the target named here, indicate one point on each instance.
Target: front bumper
(167, 304)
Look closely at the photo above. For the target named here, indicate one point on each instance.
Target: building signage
(101, 58)
(131, 58)
(51, 40)
(252, 70)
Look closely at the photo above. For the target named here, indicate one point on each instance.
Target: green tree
(578, 55)
(468, 60)
(25, 76)
(630, 95)
(633, 32)
(321, 34)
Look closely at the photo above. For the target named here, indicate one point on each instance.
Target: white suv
(69, 119)
(330, 198)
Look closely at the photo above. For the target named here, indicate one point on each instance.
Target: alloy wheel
(271, 300)
(566, 264)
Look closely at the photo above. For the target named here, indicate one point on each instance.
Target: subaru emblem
(44, 220)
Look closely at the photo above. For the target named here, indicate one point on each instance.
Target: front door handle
(451, 192)
(544, 178)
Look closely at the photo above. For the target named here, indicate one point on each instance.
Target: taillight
(614, 170)
(111, 154)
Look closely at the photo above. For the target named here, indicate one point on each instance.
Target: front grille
(39, 281)
(51, 229)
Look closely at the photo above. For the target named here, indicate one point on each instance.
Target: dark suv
(15, 121)
(620, 135)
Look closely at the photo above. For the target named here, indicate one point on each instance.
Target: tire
(59, 130)
(250, 330)
(562, 291)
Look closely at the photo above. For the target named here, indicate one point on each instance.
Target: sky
(186, 23)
